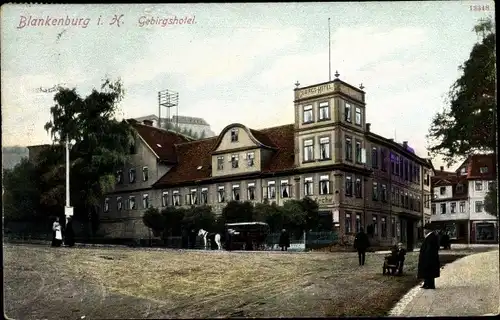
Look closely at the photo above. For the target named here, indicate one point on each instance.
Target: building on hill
(458, 201)
(359, 178)
(198, 126)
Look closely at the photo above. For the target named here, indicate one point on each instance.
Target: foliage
(199, 217)
(173, 220)
(154, 220)
(101, 145)
(490, 201)
(21, 195)
(467, 125)
(236, 211)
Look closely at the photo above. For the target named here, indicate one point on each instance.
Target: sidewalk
(467, 287)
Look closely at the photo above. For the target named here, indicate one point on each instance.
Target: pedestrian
(284, 242)
(229, 234)
(428, 258)
(56, 233)
(361, 244)
(401, 253)
(69, 235)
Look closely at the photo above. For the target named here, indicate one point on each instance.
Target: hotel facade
(329, 154)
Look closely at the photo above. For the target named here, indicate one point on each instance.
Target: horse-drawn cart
(246, 235)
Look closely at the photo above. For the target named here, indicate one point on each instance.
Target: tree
(21, 196)
(236, 211)
(467, 124)
(199, 217)
(490, 201)
(102, 145)
(154, 220)
(173, 220)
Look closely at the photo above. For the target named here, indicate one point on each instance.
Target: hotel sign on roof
(336, 86)
(315, 91)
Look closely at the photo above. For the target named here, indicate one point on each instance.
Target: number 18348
(478, 7)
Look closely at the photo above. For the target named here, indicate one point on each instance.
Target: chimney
(405, 144)
(442, 168)
(368, 127)
(148, 122)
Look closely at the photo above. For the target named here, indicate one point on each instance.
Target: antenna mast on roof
(168, 99)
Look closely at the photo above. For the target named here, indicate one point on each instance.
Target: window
(271, 190)
(220, 163)
(461, 207)
(460, 188)
(119, 203)
(479, 185)
(442, 190)
(176, 198)
(236, 192)
(251, 191)
(394, 162)
(324, 111)
(405, 169)
(308, 186)
(357, 188)
(479, 206)
(348, 148)
(250, 159)
(308, 150)
(418, 204)
(164, 199)
(348, 112)
(358, 222)
(145, 174)
(443, 208)
(204, 195)
(358, 116)
(234, 161)
(375, 225)
(324, 146)
(383, 227)
(483, 169)
(348, 223)
(491, 185)
(193, 198)
(393, 196)
(375, 191)
(383, 163)
(106, 205)
(131, 203)
(308, 114)
(358, 151)
(453, 207)
(145, 201)
(119, 177)
(285, 189)
(234, 135)
(324, 185)
(418, 174)
(411, 172)
(131, 175)
(220, 194)
(348, 186)
(400, 166)
(374, 157)
(427, 179)
(433, 208)
(406, 202)
(393, 227)
(384, 193)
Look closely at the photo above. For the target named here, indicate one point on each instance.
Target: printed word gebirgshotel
(163, 22)
(31, 21)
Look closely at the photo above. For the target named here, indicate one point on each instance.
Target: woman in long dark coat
(284, 240)
(69, 235)
(428, 259)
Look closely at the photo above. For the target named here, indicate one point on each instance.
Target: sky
(237, 63)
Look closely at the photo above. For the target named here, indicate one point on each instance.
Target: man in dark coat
(361, 244)
(69, 237)
(284, 240)
(428, 259)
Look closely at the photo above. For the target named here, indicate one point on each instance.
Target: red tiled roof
(478, 161)
(196, 154)
(448, 180)
(160, 140)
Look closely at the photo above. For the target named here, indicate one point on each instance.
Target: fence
(308, 240)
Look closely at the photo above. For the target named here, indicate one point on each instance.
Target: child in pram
(393, 263)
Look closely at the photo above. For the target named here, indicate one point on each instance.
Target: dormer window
(251, 159)
(119, 177)
(131, 175)
(483, 169)
(234, 135)
(145, 174)
(234, 161)
(460, 187)
(220, 163)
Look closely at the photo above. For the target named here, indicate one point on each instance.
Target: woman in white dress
(56, 233)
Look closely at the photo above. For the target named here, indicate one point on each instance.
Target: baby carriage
(393, 263)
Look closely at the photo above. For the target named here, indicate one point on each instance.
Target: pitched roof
(479, 161)
(197, 154)
(160, 140)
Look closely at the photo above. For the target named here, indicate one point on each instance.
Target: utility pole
(68, 210)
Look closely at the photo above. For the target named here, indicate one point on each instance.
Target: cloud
(214, 59)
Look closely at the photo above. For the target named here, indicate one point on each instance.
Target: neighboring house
(458, 203)
(153, 155)
(197, 125)
(329, 154)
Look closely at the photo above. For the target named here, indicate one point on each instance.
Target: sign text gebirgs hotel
(315, 91)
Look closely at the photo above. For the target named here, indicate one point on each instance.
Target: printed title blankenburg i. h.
(163, 22)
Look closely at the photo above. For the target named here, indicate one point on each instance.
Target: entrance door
(409, 235)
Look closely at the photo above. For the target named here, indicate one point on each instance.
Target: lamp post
(68, 210)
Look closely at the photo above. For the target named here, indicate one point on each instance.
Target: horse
(215, 237)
